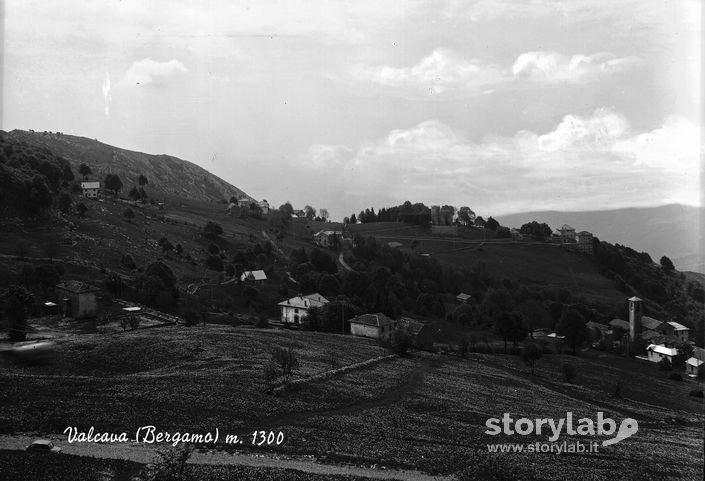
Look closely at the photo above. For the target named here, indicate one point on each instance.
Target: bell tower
(635, 313)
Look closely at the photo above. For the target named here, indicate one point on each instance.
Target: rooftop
(650, 323)
(663, 350)
(375, 320)
(253, 276)
(678, 326)
(305, 302)
(77, 287)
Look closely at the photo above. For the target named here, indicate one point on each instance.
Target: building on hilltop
(79, 299)
(566, 233)
(90, 189)
(327, 238)
(585, 242)
(296, 309)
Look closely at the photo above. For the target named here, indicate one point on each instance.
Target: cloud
(440, 71)
(582, 163)
(107, 98)
(146, 71)
(552, 67)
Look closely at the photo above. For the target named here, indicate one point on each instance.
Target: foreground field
(424, 412)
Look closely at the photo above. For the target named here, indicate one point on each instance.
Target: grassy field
(423, 412)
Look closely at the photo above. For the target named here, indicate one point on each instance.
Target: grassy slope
(426, 411)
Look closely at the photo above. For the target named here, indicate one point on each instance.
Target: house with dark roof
(296, 309)
(327, 238)
(584, 242)
(374, 326)
(420, 333)
(78, 299)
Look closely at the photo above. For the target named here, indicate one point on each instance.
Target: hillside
(671, 230)
(166, 174)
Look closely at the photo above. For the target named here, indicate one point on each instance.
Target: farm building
(374, 326)
(694, 366)
(656, 353)
(421, 334)
(327, 238)
(90, 189)
(463, 298)
(79, 299)
(255, 277)
(295, 310)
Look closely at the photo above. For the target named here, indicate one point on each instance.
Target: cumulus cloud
(146, 71)
(107, 98)
(436, 73)
(552, 67)
(588, 162)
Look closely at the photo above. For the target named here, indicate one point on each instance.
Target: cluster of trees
(30, 178)
(420, 214)
(536, 230)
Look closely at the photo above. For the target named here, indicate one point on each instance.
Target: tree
(353, 219)
(81, 209)
(65, 202)
(323, 214)
(536, 230)
(128, 214)
(286, 360)
(134, 193)
(166, 246)
(530, 354)
(16, 300)
(667, 265)
(67, 174)
(113, 182)
(142, 181)
(214, 263)
(492, 224)
(310, 212)
(212, 230)
(572, 326)
(480, 222)
(401, 342)
(84, 170)
(466, 215)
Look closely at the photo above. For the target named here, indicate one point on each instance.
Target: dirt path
(144, 453)
(342, 262)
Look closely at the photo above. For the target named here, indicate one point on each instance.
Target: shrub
(463, 347)
(262, 322)
(696, 393)
(169, 465)
(675, 377)
(128, 261)
(401, 342)
(531, 354)
(569, 373)
(286, 360)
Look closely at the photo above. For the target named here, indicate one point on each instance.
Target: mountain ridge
(166, 173)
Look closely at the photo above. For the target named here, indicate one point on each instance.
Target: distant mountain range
(672, 230)
(166, 174)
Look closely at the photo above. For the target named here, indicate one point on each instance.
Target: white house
(656, 353)
(694, 366)
(567, 233)
(374, 326)
(90, 189)
(295, 310)
(256, 277)
(264, 206)
(325, 238)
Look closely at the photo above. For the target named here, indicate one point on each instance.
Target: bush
(128, 261)
(262, 322)
(696, 393)
(286, 360)
(569, 373)
(169, 465)
(675, 377)
(401, 342)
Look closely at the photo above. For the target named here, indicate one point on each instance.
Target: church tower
(635, 313)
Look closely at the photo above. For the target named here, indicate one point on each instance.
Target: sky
(501, 105)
